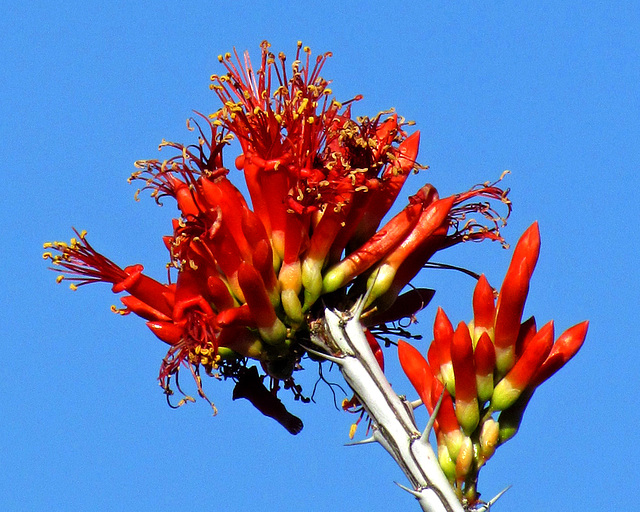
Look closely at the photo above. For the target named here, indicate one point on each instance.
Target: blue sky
(548, 90)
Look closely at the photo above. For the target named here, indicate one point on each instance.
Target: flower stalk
(342, 336)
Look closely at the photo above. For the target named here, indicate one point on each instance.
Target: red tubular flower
(485, 363)
(441, 237)
(168, 332)
(376, 248)
(512, 297)
(184, 197)
(142, 309)
(82, 264)
(263, 257)
(430, 219)
(382, 198)
(528, 246)
(290, 275)
(143, 287)
(565, 347)
(464, 371)
(189, 295)
(271, 329)
(324, 235)
(418, 371)
(219, 293)
(440, 349)
(447, 422)
(517, 380)
(484, 309)
(275, 187)
(237, 317)
(220, 193)
(263, 262)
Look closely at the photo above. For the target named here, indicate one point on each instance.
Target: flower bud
(464, 460)
(441, 347)
(485, 362)
(489, 437)
(444, 459)
(464, 371)
(484, 309)
(516, 381)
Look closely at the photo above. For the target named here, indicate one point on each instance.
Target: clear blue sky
(548, 90)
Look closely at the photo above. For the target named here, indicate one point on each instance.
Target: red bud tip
(514, 293)
(408, 151)
(567, 346)
(528, 247)
(442, 336)
(467, 410)
(417, 370)
(484, 309)
(485, 356)
(463, 364)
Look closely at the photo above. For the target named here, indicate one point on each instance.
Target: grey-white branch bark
(343, 338)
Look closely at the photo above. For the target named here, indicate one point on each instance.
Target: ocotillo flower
(245, 277)
(492, 364)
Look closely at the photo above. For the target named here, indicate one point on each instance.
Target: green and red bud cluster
(250, 275)
(489, 367)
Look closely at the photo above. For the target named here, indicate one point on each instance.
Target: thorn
(368, 440)
(359, 306)
(492, 501)
(333, 359)
(415, 404)
(432, 419)
(413, 492)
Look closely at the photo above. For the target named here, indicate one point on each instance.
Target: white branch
(393, 424)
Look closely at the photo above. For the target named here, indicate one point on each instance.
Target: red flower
(245, 282)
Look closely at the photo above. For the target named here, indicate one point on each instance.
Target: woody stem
(394, 428)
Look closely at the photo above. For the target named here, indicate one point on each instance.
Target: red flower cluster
(249, 276)
(493, 364)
